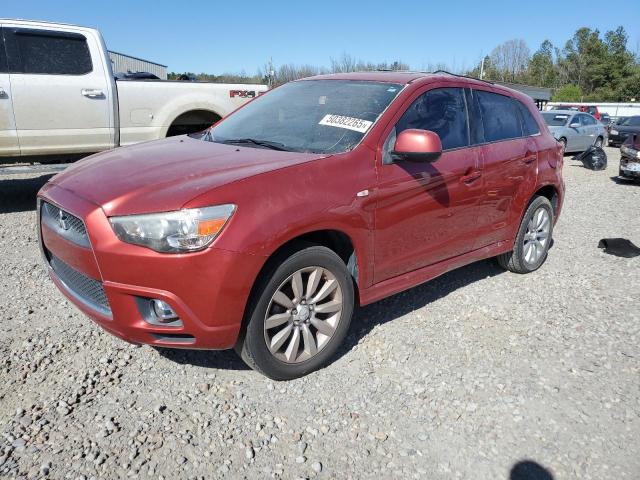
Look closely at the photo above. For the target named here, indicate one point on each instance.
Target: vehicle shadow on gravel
(629, 182)
(368, 317)
(529, 470)
(220, 359)
(19, 194)
(364, 320)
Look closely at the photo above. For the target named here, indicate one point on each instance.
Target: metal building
(122, 63)
(541, 96)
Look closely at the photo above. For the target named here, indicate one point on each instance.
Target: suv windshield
(555, 119)
(317, 116)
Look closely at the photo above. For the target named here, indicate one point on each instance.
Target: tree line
(589, 67)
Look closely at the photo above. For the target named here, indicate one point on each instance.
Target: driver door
(427, 212)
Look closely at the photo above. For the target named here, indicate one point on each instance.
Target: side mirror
(574, 125)
(414, 145)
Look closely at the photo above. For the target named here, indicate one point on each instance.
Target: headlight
(173, 232)
(614, 132)
(632, 152)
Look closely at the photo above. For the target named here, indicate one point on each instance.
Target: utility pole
(482, 69)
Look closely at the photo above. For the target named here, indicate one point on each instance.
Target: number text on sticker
(349, 123)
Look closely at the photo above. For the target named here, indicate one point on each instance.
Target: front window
(555, 119)
(316, 116)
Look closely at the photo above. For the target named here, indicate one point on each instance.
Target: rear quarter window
(3, 55)
(499, 117)
(529, 124)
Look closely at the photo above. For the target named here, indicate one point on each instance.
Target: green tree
(542, 71)
(568, 93)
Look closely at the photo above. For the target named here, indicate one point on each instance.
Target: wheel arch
(196, 118)
(335, 240)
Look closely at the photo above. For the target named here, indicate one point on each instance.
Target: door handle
(92, 93)
(470, 177)
(529, 158)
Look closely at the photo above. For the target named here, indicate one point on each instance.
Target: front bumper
(618, 139)
(208, 289)
(629, 168)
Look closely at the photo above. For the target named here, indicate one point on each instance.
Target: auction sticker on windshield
(349, 123)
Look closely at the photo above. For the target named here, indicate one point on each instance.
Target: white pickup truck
(59, 97)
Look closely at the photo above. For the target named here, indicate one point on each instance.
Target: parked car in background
(576, 131)
(630, 158)
(59, 97)
(590, 109)
(619, 132)
(265, 231)
(605, 119)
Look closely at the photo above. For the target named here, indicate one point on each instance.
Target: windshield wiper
(261, 143)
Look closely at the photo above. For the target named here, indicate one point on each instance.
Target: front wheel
(533, 239)
(299, 316)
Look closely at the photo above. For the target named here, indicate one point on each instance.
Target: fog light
(163, 312)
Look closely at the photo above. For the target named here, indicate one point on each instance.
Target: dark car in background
(621, 130)
(630, 158)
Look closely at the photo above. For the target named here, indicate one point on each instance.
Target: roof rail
(463, 76)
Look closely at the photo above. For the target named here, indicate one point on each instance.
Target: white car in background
(59, 97)
(576, 131)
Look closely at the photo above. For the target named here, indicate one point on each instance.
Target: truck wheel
(300, 315)
(533, 240)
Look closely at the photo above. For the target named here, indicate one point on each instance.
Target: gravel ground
(463, 377)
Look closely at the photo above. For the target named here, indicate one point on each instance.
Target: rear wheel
(533, 240)
(300, 315)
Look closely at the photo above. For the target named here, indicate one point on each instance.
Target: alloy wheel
(536, 237)
(303, 314)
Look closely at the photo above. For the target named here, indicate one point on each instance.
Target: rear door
(9, 145)
(61, 97)
(591, 129)
(510, 162)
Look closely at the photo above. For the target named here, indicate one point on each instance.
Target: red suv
(263, 232)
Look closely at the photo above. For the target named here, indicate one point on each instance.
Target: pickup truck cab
(58, 96)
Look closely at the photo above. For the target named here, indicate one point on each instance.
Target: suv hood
(164, 175)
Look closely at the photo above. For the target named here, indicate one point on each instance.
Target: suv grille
(85, 289)
(64, 224)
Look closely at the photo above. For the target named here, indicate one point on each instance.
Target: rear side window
(3, 55)
(529, 124)
(443, 111)
(48, 52)
(499, 117)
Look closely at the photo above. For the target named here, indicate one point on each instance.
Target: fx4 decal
(242, 93)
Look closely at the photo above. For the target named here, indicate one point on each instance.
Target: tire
(598, 142)
(521, 259)
(296, 357)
